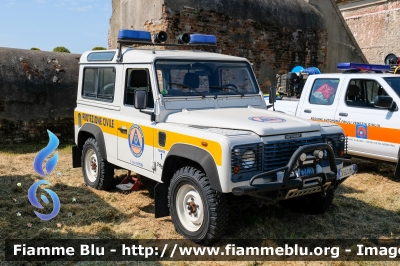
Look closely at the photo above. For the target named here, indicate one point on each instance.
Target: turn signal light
(236, 169)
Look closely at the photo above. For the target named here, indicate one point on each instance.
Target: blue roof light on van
(363, 67)
(203, 39)
(134, 36)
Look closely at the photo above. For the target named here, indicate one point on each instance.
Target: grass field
(367, 205)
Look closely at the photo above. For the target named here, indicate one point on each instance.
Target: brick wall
(261, 43)
(375, 27)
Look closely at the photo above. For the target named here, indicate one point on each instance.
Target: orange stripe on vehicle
(374, 133)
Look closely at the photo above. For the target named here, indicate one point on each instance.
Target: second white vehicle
(365, 105)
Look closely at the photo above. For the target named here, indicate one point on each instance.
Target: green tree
(61, 49)
(99, 48)
(34, 48)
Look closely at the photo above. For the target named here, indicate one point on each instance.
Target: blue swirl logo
(32, 198)
(42, 155)
(50, 165)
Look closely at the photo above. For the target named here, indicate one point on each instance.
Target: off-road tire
(311, 204)
(97, 172)
(191, 185)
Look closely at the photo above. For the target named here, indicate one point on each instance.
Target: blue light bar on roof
(363, 67)
(312, 71)
(134, 36)
(203, 39)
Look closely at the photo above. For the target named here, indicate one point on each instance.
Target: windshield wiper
(188, 87)
(231, 87)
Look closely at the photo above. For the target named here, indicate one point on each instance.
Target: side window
(137, 79)
(99, 83)
(362, 93)
(324, 91)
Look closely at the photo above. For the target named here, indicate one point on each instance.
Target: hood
(260, 121)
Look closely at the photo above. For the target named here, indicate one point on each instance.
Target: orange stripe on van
(374, 133)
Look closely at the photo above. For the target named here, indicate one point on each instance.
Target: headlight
(318, 154)
(248, 159)
(245, 159)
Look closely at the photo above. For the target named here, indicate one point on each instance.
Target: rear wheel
(97, 172)
(198, 212)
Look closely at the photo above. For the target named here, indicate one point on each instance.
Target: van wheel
(97, 172)
(198, 212)
(312, 203)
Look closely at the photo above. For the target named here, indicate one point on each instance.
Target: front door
(369, 128)
(135, 128)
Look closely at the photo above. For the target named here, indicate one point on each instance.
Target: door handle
(343, 114)
(307, 111)
(123, 130)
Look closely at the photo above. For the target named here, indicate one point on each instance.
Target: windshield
(394, 83)
(204, 78)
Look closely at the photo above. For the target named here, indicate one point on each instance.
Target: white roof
(355, 75)
(135, 55)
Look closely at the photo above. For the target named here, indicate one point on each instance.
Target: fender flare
(202, 157)
(98, 135)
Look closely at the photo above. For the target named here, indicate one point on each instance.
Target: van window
(394, 83)
(99, 83)
(362, 93)
(324, 91)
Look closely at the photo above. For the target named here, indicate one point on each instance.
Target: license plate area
(345, 172)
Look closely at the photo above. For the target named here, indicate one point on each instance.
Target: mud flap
(76, 157)
(161, 208)
(397, 170)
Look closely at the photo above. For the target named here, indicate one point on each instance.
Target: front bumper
(295, 186)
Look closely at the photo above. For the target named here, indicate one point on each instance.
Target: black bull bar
(286, 182)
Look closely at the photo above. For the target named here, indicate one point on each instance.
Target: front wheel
(97, 172)
(198, 212)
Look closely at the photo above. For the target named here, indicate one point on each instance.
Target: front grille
(277, 153)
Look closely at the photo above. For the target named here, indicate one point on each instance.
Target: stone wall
(275, 35)
(37, 92)
(374, 26)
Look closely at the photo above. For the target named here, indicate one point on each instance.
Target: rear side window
(99, 83)
(324, 91)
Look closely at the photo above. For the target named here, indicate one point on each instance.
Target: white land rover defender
(196, 122)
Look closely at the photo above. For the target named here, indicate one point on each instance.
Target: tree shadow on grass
(348, 218)
(83, 214)
(385, 169)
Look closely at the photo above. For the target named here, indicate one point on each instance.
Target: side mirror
(383, 101)
(272, 95)
(140, 99)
